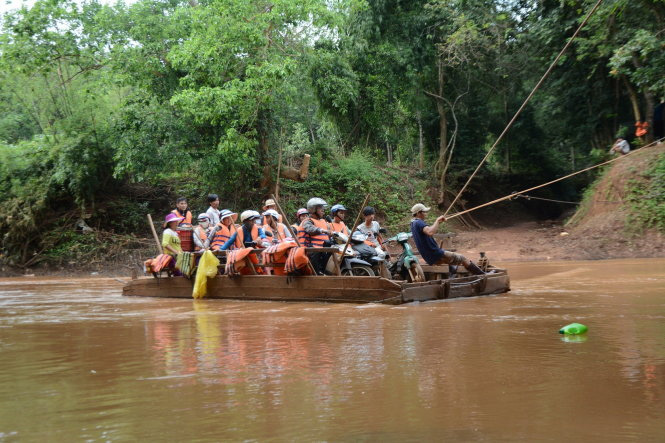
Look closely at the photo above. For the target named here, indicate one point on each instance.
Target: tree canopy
(213, 92)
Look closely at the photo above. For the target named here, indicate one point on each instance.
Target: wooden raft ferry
(338, 289)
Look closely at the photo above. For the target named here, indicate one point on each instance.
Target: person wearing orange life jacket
(249, 234)
(202, 234)
(301, 215)
(183, 211)
(339, 214)
(270, 205)
(272, 227)
(641, 129)
(226, 236)
(316, 232)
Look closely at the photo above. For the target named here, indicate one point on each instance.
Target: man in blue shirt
(429, 250)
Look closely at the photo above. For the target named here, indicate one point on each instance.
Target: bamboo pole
(154, 234)
(355, 224)
(288, 226)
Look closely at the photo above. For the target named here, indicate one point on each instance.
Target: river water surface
(81, 362)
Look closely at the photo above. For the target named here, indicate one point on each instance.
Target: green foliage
(198, 97)
(646, 198)
(347, 180)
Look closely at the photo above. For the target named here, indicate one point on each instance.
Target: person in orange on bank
(272, 226)
(270, 204)
(316, 232)
(249, 234)
(226, 236)
(641, 129)
(183, 211)
(339, 214)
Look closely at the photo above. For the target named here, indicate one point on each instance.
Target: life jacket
(340, 227)
(281, 231)
(223, 235)
(297, 262)
(203, 236)
(313, 241)
(277, 255)
(641, 128)
(255, 236)
(237, 262)
(187, 221)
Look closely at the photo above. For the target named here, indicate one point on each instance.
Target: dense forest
(111, 111)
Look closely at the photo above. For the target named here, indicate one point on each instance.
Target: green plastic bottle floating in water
(573, 329)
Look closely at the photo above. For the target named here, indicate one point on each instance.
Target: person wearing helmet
(315, 232)
(226, 236)
(202, 234)
(371, 227)
(339, 214)
(301, 215)
(270, 205)
(272, 226)
(250, 235)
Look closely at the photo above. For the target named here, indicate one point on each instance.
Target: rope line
(531, 197)
(509, 196)
(526, 101)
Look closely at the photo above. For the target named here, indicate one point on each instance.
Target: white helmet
(249, 215)
(312, 203)
(272, 213)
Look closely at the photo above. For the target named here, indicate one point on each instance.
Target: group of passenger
(217, 230)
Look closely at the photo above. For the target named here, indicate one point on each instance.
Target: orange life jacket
(279, 234)
(340, 227)
(277, 254)
(223, 235)
(317, 240)
(237, 262)
(187, 221)
(201, 233)
(641, 128)
(255, 236)
(297, 262)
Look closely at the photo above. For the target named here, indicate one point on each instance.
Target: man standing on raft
(429, 250)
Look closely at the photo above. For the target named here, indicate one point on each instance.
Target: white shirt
(371, 232)
(214, 215)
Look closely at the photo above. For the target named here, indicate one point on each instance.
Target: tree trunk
(421, 148)
(634, 101)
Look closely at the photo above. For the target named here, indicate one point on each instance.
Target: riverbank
(551, 240)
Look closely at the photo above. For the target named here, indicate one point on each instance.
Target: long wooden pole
(355, 224)
(154, 234)
(288, 226)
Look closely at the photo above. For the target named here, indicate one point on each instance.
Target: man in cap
(423, 236)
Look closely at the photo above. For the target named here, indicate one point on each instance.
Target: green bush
(646, 198)
(347, 180)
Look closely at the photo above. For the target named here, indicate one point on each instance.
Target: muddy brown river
(82, 363)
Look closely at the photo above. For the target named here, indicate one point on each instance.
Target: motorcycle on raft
(361, 259)
(352, 264)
